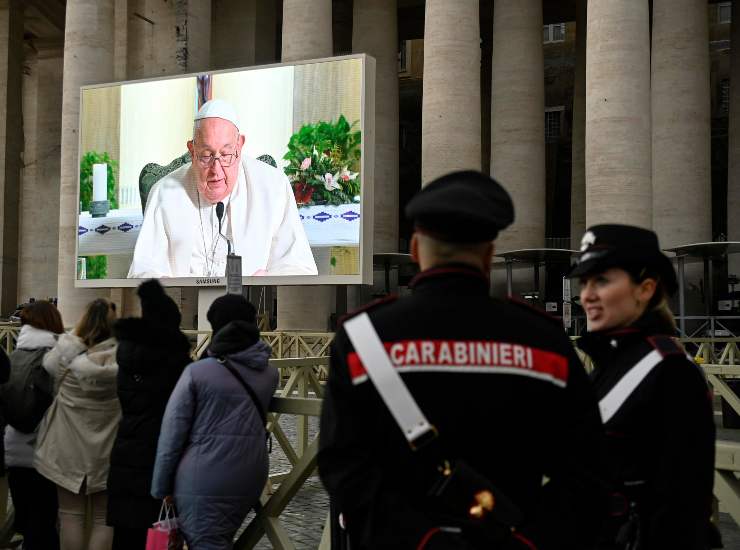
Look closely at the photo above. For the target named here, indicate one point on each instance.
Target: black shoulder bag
(252, 394)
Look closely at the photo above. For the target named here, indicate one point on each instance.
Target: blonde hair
(658, 304)
(96, 323)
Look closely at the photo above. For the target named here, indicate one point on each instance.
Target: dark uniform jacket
(660, 443)
(150, 359)
(507, 393)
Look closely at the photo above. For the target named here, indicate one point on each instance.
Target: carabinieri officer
(500, 383)
(654, 401)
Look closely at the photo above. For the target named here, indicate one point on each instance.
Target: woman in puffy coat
(212, 455)
(77, 433)
(152, 353)
(34, 496)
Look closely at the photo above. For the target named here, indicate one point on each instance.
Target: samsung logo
(208, 281)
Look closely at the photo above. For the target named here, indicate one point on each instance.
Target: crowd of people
(131, 421)
(451, 420)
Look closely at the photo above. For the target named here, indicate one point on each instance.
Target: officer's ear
(414, 247)
(488, 257)
(646, 290)
(191, 149)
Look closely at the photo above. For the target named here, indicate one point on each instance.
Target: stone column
(578, 157)
(27, 216)
(733, 161)
(120, 54)
(374, 31)
(265, 40)
(618, 139)
(450, 117)
(518, 118)
(307, 34)
(11, 145)
(39, 242)
(307, 30)
(234, 22)
(88, 58)
(168, 38)
(681, 124)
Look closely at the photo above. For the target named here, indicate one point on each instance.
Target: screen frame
(367, 164)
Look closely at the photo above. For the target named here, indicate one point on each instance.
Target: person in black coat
(499, 381)
(152, 353)
(654, 401)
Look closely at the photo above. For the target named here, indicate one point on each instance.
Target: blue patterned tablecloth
(331, 225)
(113, 234)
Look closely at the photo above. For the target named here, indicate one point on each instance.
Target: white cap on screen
(218, 108)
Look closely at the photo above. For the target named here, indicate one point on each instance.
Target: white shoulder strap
(387, 381)
(616, 397)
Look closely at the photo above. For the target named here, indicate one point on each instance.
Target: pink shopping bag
(164, 534)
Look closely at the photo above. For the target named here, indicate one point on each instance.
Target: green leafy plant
(324, 163)
(96, 266)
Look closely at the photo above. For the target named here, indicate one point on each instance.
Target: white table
(113, 234)
(331, 225)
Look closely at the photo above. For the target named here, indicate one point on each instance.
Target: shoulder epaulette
(529, 307)
(390, 298)
(666, 345)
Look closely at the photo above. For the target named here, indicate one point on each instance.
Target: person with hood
(34, 496)
(654, 401)
(212, 454)
(77, 433)
(152, 353)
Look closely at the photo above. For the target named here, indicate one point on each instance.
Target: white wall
(156, 124)
(263, 99)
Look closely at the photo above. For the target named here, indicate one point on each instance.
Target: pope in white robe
(180, 235)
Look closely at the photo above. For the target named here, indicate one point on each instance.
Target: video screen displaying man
(180, 236)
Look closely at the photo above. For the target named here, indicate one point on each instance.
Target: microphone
(220, 215)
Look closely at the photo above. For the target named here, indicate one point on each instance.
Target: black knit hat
(631, 248)
(156, 306)
(230, 307)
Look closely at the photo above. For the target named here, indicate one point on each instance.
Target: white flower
(346, 175)
(306, 164)
(330, 182)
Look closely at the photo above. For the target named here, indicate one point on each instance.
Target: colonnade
(641, 112)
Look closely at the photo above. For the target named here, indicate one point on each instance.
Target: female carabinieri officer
(654, 401)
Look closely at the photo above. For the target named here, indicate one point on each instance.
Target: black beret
(631, 248)
(461, 207)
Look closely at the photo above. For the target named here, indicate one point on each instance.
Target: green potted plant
(324, 163)
(96, 267)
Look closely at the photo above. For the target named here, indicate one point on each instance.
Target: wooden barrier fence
(302, 360)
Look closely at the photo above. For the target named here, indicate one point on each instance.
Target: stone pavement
(305, 515)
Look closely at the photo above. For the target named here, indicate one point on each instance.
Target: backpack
(25, 397)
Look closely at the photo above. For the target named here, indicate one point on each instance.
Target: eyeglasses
(225, 160)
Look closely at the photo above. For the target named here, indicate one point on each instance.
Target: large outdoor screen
(273, 163)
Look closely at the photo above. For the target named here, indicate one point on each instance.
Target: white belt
(387, 381)
(613, 401)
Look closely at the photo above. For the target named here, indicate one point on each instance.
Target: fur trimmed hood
(33, 338)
